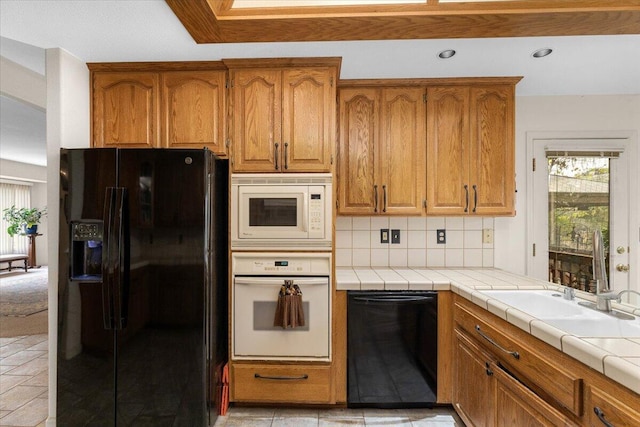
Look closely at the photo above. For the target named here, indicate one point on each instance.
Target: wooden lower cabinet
(474, 396)
(503, 376)
(488, 395)
(281, 383)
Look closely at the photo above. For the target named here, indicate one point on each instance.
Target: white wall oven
(275, 212)
(259, 280)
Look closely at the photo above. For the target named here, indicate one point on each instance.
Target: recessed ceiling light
(541, 53)
(446, 54)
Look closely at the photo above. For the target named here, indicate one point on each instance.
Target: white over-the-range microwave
(281, 211)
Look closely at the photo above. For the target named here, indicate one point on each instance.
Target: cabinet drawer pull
(466, 198)
(600, 415)
(375, 198)
(275, 154)
(281, 377)
(515, 354)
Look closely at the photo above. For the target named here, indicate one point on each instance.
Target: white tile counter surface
(616, 358)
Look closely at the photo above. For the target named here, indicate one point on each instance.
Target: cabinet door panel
(447, 159)
(307, 117)
(492, 150)
(474, 388)
(256, 120)
(125, 109)
(402, 150)
(193, 110)
(357, 153)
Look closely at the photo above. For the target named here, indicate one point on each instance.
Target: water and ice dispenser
(86, 251)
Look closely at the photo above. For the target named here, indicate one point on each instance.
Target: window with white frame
(19, 195)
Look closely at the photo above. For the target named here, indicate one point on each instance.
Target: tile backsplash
(358, 242)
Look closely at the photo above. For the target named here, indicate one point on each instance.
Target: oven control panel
(278, 264)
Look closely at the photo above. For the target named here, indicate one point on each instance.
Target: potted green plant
(23, 220)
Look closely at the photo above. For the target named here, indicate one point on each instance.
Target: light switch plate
(384, 235)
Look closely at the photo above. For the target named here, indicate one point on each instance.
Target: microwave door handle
(305, 213)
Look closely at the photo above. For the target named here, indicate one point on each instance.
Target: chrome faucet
(603, 292)
(618, 297)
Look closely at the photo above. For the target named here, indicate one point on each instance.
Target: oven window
(264, 313)
(273, 212)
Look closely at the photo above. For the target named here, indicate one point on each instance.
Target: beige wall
(67, 126)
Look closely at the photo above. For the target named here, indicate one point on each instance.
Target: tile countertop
(616, 358)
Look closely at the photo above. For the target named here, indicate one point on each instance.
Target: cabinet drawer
(605, 407)
(280, 383)
(523, 356)
(516, 405)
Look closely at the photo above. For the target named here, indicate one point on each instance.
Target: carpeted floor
(23, 303)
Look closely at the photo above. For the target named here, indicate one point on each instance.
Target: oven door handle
(263, 281)
(392, 298)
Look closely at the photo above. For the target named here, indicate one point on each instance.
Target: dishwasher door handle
(398, 298)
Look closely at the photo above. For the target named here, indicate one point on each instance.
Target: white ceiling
(147, 30)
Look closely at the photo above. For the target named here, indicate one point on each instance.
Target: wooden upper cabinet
(447, 148)
(382, 151)
(193, 110)
(357, 150)
(308, 119)
(125, 109)
(492, 150)
(471, 150)
(283, 119)
(402, 150)
(256, 109)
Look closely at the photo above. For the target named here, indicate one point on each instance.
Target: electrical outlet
(441, 236)
(487, 235)
(395, 236)
(384, 235)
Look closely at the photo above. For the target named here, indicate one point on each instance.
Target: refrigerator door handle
(107, 263)
(115, 283)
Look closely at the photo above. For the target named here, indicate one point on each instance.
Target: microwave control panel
(316, 212)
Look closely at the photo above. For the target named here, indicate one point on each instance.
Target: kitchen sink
(540, 304)
(601, 327)
(571, 316)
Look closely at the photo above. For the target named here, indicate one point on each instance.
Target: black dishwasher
(392, 348)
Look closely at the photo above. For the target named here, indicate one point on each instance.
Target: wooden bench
(9, 258)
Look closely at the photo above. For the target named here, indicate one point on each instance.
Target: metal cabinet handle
(375, 198)
(515, 354)
(275, 155)
(600, 415)
(384, 198)
(466, 198)
(286, 155)
(281, 377)
(475, 197)
(488, 369)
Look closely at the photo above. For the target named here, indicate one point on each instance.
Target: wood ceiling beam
(212, 21)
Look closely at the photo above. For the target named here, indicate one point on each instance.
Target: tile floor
(23, 381)
(23, 399)
(265, 417)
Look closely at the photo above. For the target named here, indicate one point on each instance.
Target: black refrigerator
(142, 289)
